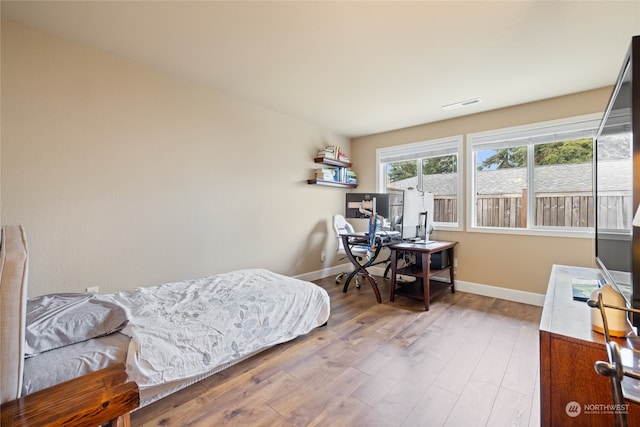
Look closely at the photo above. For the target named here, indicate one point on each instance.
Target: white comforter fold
(184, 329)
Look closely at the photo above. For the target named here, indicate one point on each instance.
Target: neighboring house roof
(575, 178)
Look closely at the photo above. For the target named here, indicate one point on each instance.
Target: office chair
(341, 226)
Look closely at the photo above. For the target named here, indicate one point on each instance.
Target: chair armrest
(93, 399)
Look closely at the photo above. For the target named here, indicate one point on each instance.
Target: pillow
(57, 320)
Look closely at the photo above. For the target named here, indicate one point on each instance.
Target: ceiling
(359, 67)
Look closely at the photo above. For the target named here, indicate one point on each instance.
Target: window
(536, 177)
(430, 166)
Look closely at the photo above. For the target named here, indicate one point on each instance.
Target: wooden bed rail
(94, 399)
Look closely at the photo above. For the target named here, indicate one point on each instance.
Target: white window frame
(421, 149)
(528, 134)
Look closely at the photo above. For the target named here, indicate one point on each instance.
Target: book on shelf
(343, 157)
(338, 174)
(330, 152)
(327, 154)
(347, 175)
(327, 174)
(333, 152)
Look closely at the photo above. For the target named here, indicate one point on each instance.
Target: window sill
(571, 234)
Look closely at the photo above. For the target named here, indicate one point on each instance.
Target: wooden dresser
(568, 351)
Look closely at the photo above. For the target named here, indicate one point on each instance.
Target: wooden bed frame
(97, 398)
(13, 304)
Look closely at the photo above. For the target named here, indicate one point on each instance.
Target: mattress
(178, 333)
(68, 362)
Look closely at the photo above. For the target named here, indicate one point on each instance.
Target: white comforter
(185, 329)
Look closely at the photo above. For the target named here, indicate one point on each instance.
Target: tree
(512, 157)
(402, 170)
(440, 165)
(556, 153)
(430, 166)
(575, 151)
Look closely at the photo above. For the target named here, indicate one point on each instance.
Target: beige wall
(508, 261)
(124, 176)
(1, 22)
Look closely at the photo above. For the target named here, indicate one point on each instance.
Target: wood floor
(469, 361)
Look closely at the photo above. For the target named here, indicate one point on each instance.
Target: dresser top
(561, 314)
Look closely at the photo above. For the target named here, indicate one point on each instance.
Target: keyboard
(388, 237)
(419, 241)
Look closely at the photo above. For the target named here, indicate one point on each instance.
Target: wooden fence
(504, 211)
(552, 210)
(445, 209)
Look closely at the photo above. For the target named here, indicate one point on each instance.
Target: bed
(170, 336)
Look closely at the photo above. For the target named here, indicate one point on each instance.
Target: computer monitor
(355, 201)
(417, 215)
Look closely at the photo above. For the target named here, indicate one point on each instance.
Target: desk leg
(394, 267)
(451, 261)
(374, 286)
(370, 278)
(426, 272)
(361, 268)
(351, 275)
(352, 259)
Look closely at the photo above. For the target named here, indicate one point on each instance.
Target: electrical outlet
(323, 256)
(93, 290)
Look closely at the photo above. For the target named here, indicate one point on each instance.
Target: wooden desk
(421, 288)
(568, 352)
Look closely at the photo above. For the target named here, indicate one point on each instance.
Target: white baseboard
(470, 287)
(501, 293)
(325, 272)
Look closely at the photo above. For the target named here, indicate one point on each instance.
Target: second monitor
(355, 201)
(417, 215)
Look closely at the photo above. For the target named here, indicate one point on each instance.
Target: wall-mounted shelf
(331, 183)
(333, 163)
